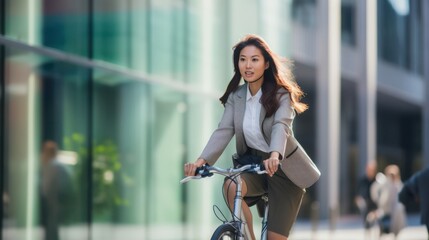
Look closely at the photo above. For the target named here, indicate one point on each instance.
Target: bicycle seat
(259, 201)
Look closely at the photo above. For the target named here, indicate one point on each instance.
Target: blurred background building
(128, 90)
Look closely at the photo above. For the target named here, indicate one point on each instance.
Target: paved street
(409, 233)
(350, 228)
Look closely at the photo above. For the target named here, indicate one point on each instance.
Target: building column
(328, 106)
(367, 84)
(425, 27)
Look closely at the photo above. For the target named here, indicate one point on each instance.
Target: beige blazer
(274, 128)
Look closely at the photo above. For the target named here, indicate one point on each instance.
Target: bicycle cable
(225, 198)
(217, 209)
(264, 228)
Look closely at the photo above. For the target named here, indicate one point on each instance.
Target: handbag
(297, 165)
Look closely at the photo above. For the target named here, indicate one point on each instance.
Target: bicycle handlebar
(208, 171)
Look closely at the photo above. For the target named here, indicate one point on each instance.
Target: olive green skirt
(284, 197)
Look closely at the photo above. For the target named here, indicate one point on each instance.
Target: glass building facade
(128, 91)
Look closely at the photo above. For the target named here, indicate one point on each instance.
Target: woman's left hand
(271, 165)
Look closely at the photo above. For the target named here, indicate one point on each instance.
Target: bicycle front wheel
(225, 232)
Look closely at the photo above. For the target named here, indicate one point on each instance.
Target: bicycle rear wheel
(225, 232)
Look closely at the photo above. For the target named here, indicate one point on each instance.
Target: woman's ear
(267, 65)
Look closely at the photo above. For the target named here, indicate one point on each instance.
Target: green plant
(108, 177)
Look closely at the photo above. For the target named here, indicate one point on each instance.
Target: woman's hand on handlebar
(271, 165)
(190, 168)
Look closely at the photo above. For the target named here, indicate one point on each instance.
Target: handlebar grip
(203, 171)
(199, 169)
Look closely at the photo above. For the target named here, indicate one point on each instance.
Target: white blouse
(251, 128)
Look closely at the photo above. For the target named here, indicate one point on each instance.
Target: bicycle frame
(238, 218)
(264, 230)
(238, 210)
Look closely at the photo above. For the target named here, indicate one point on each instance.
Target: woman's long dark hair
(277, 75)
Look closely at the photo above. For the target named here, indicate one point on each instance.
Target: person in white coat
(390, 213)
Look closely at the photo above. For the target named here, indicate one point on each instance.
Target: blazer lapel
(262, 118)
(240, 108)
(241, 105)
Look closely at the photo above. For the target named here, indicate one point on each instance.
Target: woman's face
(251, 63)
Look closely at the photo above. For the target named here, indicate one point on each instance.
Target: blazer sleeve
(222, 135)
(283, 119)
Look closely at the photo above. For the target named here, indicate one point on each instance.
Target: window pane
(304, 12)
(45, 151)
(400, 35)
(139, 146)
(58, 24)
(348, 22)
(119, 32)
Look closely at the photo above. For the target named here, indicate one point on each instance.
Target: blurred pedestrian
(363, 199)
(55, 190)
(390, 213)
(416, 190)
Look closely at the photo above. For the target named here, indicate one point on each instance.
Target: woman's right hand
(190, 168)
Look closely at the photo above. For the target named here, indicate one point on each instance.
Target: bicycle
(236, 229)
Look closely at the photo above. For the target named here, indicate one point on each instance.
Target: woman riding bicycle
(259, 113)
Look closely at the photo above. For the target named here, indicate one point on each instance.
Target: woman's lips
(248, 74)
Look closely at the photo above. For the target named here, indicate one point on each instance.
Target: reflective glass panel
(46, 147)
(58, 24)
(400, 33)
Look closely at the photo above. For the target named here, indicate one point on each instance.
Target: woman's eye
(255, 59)
(242, 59)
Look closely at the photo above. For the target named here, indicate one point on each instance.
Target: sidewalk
(351, 228)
